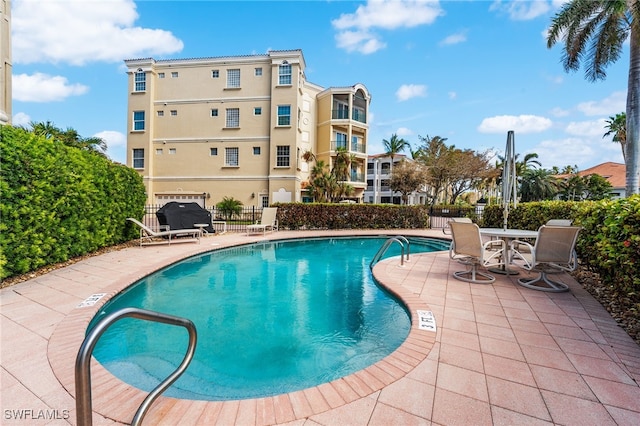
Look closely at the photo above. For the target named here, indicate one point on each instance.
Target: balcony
(359, 148)
(357, 114)
(339, 114)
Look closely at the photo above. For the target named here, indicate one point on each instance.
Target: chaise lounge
(268, 221)
(150, 237)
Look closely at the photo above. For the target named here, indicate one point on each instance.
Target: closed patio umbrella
(509, 179)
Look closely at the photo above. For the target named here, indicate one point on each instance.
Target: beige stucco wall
(5, 62)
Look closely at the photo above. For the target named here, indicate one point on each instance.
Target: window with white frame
(257, 111)
(231, 157)
(213, 151)
(284, 115)
(282, 156)
(256, 150)
(233, 117)
(160, 113)
(258, 72)
(215, 73)
(160, 75)
(233, 79)
(341, 140)
(174, 74)
(138, 120)
(172, 151)
(174, 112)
(159, 151)
(284, 74)
(214, 112)
(140, 80)
(138, 158)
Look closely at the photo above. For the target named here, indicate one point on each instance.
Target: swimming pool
(272, 318)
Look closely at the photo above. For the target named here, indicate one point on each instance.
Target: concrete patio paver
(501, 354)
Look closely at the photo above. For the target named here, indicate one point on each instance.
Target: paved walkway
(502, 354)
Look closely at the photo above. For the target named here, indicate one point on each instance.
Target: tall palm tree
(394, 146)
(618, 129)
(593, 32)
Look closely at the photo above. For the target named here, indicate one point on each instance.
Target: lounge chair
(447, 229)
(467, 248)
(268, 222)
(150, 237)
(553, 252)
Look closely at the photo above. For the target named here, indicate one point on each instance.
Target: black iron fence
(222, 220)
(237, 222)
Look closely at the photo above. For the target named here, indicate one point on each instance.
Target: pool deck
(501, 354)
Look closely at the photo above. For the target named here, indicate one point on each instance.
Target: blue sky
(468, 71)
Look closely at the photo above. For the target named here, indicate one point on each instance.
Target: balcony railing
(339, 114)
(358, 147)
(355, 147)
(359, 115)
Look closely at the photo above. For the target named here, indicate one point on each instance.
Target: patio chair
(447, 229)
(150, 237)
(467, 247)
(268, 221)
(553, 252)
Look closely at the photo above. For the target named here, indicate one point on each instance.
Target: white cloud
(593, 128)
(41, 87)
(355, 29)
(452, 95)
(559, 112)
(520, 124)
(408, 91)
(582, 151)
(521, 10)
(403, 131)
(460, 37)
(79, 32)
(20, 119)
(611, 105)
(116, 144)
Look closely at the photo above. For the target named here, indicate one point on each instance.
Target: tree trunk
(632, 158)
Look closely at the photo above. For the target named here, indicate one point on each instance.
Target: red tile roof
(615, 173)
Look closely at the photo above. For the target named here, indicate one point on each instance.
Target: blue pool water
(272, 318)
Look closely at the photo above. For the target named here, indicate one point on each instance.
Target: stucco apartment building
(238, 126)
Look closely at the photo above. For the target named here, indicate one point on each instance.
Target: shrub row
(59, 202)
(608, 244)
(351, 216)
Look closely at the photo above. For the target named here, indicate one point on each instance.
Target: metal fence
(248, 215)
(221, 222)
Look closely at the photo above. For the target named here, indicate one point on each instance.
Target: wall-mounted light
(253, 195)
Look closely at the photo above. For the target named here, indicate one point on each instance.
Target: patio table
(507, 235)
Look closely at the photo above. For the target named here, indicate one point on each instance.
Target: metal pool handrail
(385, 246)
(84, 411)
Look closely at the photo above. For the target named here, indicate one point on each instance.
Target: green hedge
(608, 244)
(59, 202)
(351, 216)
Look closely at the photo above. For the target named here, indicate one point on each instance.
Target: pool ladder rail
(84, 411)
(385, 246)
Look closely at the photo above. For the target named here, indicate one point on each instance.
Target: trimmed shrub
(59, 202)
(351, 216)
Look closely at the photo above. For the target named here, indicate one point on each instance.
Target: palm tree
(538, 185)
(593, 32)
(617, 127)
(394, 146)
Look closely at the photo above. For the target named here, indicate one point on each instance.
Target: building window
(258, 72)
(138, 158)
(138, 120)
(214, 112)
(159, 151)
(174, 74)
(341, 140)
(160, 75)
(172, 151)
(282, 156)
(174, 112)
(257, 111)
(284, 74)
(233, 79)
(256, 150)
(140, 81)
(233, 117)
(215, 74)
(284, 115)
(160, 113)
(213, 151)
(231, 157)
